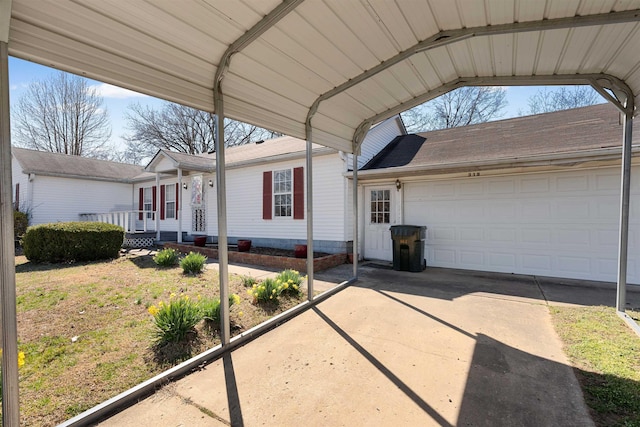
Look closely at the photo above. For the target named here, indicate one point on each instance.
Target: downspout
(9, 327)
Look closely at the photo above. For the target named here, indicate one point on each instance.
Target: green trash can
(408, 247)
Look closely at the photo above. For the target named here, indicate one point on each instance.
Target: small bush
(20, 224)
(291, 282)
(175, 320)
(211, 308)
(166, 258)
(248, 281)
(72, 241)
(193, 263)
(267, 291)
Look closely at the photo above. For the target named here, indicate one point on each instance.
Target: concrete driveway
(441, 347)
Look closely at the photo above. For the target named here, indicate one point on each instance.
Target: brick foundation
(272, 261)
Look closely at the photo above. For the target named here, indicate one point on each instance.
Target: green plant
(193, 263)
(166, 258)
(291, 282)
(267, 290)
(72, 241)
(248, 281)
(20, 223)
(175, 320)
(211, 308)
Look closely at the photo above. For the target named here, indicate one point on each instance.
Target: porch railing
(129, 220)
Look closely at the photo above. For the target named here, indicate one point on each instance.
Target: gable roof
(63, 165)
(587, 131)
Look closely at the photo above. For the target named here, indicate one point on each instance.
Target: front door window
(380, 207)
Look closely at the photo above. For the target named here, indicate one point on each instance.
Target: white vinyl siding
(63, 199)
(560, 224)
(377, 138)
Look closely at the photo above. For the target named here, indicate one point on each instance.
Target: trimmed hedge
(72, 241)
(20, 224)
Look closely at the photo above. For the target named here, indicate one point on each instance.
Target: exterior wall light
(184, 185)
(210, 183)
(398, 185)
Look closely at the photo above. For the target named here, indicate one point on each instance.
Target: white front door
(379, 216)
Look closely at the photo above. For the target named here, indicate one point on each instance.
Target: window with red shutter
(298, 193)
(266, 195)
(162, 197)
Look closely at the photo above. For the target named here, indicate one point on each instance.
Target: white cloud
(110, 91)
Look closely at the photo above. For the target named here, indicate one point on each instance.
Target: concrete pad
(432, 348)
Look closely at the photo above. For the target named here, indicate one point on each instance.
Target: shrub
(193, 263)
(72, 241)
(20, 224)
(166, 258)
(175, 320)
(267, 290)
(291, 282)
(211, 308)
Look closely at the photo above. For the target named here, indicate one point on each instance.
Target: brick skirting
(273, 261)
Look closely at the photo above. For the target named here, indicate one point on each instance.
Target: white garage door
(562, 224)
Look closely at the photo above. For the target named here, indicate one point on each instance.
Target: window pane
(385, 218)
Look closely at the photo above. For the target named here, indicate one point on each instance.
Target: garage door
(562, 224)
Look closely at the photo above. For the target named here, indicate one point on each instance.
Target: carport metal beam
(9, 342)
(243, 41)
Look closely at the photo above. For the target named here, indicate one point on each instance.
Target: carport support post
(9, 342)
(355, 215)
(309, 217)
(179, 201)
(223, 253)
(624, 212)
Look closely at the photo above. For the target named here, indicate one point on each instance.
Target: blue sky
(21, 73)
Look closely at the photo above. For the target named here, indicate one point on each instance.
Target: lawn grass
(605, 354)
(87, 335)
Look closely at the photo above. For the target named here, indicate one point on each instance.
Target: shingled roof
(580, 131)
(63, 165)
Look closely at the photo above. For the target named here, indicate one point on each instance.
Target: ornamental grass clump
(166, 258)
(248, 281)
(291, 282)
(211, 308)
(193, 263)
(175, 320)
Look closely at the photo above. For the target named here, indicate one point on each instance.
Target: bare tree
(562, 98)
(63, 114)
(460, 107)
(183, 129)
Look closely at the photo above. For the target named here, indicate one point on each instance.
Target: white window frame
(147, 204)
(170, 205)
(283, 193)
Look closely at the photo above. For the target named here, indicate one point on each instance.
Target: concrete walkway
(441, 347)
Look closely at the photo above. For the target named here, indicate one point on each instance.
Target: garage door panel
(562, 224)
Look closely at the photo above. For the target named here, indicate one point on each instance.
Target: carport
(322, 70)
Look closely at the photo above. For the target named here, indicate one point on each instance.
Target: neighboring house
(54, 187)
(531, 195)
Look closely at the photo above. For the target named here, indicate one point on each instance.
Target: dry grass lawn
(87, 334)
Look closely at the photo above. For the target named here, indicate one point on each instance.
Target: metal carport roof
(293, 54)
(323, 70)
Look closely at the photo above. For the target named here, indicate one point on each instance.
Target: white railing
(129, 220)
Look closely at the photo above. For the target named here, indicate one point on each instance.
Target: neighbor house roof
(587, 131)
(63, 165)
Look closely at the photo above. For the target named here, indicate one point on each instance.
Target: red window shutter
(17, 204)
(140, 203)
(298, 193)
(162, 202)
(154, 198)
(266, 195)
(177, 197)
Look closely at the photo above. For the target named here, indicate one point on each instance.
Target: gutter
(562, 159)
(90, 178)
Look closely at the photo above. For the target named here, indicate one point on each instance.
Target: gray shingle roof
(55, 164)
(575, 131)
